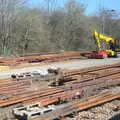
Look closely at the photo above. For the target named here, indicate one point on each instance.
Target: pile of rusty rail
(74, 81)
(19, 98)
(74, 107)
(90, 69)
(109, 74)
(10, 88)
(90, 75)
(44, 96)
(81, 105)
(91, 102)
(64, 96)
(74, 84)
(41, 58)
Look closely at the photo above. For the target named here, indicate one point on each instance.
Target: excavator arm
(99, 37)
(97, 40)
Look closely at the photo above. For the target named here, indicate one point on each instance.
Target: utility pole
(100, 8)
(108, 15)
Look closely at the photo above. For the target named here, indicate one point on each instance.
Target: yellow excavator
(106, 46)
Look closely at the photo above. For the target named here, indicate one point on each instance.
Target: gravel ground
(102, 112)
(67, 64)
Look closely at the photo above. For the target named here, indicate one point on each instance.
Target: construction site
(59, 86)
(59, 60)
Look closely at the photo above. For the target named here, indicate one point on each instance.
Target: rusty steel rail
(11, 87)
(88, 76)
(81, 105)
(33, 95)
(40, 58)
(90, 69)
(99, 79)
(90, 102)
(63, 96)
(84, 81)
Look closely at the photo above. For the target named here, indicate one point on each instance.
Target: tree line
(52, 28)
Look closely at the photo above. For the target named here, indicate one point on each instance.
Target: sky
(92, 5)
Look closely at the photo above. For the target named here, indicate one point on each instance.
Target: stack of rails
(80, 105)
(92, 102)
(89, 77)
(63, 96)
(40, 58)
(108, 81)
(9, 88)
(13, 87)
(45, 96)
(92, 73)
(8, 60)
(51, 95)
(29, 96)
(53, 57)
(90, 69)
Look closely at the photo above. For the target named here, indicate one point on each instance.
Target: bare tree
(7, 17)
